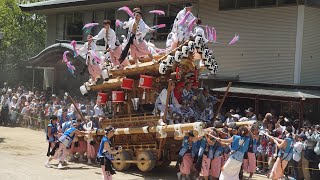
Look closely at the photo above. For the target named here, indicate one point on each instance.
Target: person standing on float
(137, 30)
(112, 45)
(180, 31)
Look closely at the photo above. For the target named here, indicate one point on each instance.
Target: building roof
(53, 54)
(51, 4)
(295, 93)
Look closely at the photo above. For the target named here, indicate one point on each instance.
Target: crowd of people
(269, 147)
(22, 107)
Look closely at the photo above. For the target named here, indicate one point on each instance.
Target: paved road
(22, 157)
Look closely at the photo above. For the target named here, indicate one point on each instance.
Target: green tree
(24, 37)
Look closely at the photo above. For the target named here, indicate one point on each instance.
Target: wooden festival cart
(144, 142)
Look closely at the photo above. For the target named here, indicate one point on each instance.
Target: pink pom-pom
(119, 23)
(127, 10)
(214, 35)
(234, 40)
(191, 24)
(185, 18)
(90, 25)
(65, 59)
(159, 12)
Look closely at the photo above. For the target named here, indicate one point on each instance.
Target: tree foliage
(24, 37)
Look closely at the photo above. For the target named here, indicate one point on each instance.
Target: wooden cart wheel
(124, 155)
(146, 166)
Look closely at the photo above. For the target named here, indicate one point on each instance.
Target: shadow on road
(156, 172)
(1, 140)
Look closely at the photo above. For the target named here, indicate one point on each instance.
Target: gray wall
(266, 50)
(310, 69)
(51, 30)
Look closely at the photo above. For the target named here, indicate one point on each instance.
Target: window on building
(239, 4)
(266, 3)
(73, 26)
(286, 2)
(315, 3)
(227, 4)
(111, 15)
(246, 4)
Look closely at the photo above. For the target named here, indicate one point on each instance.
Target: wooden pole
(75, 106)
(223, 99)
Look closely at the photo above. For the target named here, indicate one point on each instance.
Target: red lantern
(102, 98)
(145, 82)
(127, 84)
(117, 96)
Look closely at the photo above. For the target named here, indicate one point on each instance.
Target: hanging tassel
(144, 94)
(118, 108)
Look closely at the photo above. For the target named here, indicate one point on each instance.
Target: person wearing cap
(297, 151)
(137, 29)
(65, 142)
(105, 153)
(180, 31)
(232, 117)
(250, 114)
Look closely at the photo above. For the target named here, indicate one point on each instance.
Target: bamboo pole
(223, 99)
(75, 106)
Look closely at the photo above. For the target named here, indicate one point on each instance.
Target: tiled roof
(50, 4)
(269, 91)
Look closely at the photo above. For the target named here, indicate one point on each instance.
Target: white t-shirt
(98, 111)
(297, 148)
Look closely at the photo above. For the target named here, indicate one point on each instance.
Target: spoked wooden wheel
(121, 166)
(148, 161)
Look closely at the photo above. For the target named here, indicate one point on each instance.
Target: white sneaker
(179, 175)
(60, 166)
(47, 164)
(89, 161)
